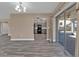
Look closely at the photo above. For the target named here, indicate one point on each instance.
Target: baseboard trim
(21, 39)
(48, 39)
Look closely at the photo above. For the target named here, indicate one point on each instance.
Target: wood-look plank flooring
(40, 47)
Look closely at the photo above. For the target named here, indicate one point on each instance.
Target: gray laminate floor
(40, 47)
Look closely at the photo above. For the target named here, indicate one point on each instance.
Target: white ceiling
(6, 8)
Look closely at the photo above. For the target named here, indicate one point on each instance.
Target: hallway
(36, 48)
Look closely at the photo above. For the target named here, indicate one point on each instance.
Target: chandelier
(20, 7)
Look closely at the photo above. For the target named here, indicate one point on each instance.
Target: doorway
(40, 29)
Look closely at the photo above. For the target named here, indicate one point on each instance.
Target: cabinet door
(70, 46)
(61, 38)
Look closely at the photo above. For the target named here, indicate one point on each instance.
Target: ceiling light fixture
(20, 7)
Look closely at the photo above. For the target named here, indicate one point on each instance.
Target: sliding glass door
(70, 29)
(60, 31)
(66, 29)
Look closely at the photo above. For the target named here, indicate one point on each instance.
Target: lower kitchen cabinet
(70, 45)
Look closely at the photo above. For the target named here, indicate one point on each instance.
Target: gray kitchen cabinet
(70, 45)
